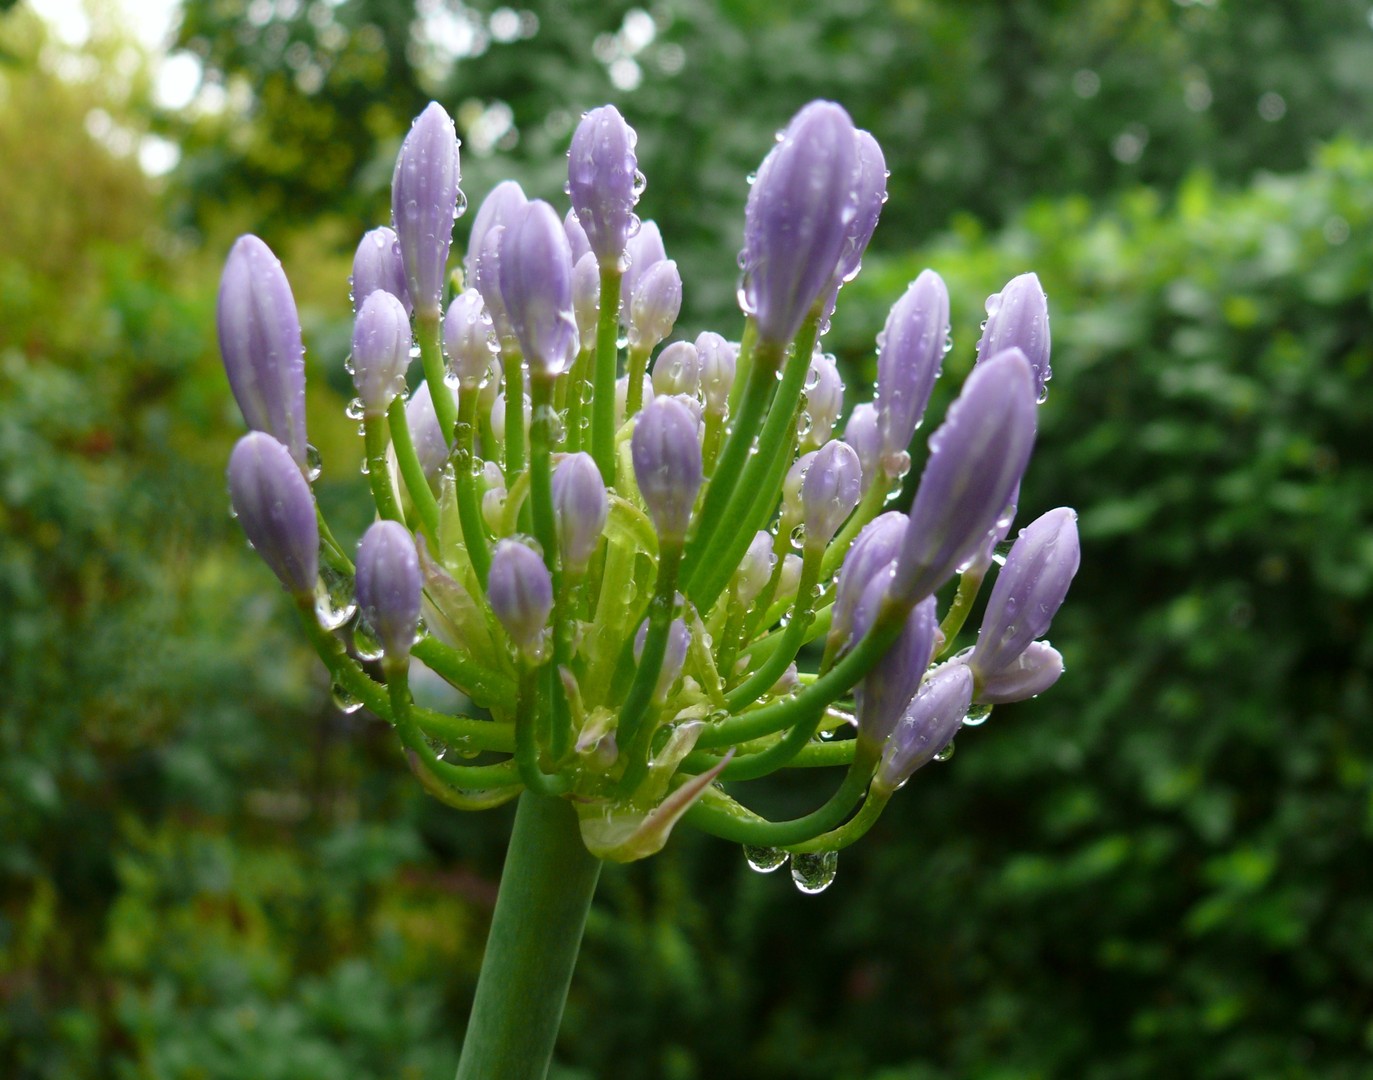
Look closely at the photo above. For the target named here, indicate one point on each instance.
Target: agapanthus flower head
(656, 304)
(469, 338)
(910, 351)
(520, 591)
(1018, 318)
(389, 585)
(830, 491)
(977, 457)
(381, 351)
(581, 505)
(259, 339)
(667, 465)
(1029, 590)
(536, 287)
(424, 205)
(377, 264)
(604, 182)
(274, 506)
(797, 219)
(927, 725)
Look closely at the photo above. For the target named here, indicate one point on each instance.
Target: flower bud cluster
(623, 557)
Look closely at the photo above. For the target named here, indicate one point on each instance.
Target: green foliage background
(1161, 868)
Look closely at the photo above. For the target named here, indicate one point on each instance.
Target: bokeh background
(1162, 868)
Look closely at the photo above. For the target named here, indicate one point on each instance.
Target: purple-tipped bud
(580, 505)
(644, 251)
(986, 551)
(259, 338)
(789, 580)
(576, 237)
(657, 302)
(927, 726)
(910, 351)
(871, 193)
(976, 460)
(830, 491)
(674, 655)
(1028, 591)
(469, 338)
(883, 694)
(1018, 318)
(503, 205)
(430, 447)
(861, 432)
(677, 370)
(797, 217)
(424, 205)
(520, 591)
(824, 398)
(586, 298)
(1027, 676)
(377, 264)
(536, 285)
(604, 182)
(273, 503)
(754, 569)
(792, 484)
(667, 465)
(388, 584)
(718, 358)
(873, 552)
(381, 351)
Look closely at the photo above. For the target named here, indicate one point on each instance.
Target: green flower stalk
(658, 595)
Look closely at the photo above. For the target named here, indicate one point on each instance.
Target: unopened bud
(274, 506)
(381, 351)
(389, 584)
(667, 465)
(424, 205)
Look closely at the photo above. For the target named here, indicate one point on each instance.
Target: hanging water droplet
(813, 872)
(354, 410)
(365, 642)
(345, 701)
(764, 859)
(334, 600)
(314, 463)
(946, 753)
(977, 715)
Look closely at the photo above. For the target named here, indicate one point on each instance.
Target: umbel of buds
(658, 568)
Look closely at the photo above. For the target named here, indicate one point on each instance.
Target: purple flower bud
(520, 591)
(792, 484)
(657, 301)
(797, 217)
(424, 205)
(824, 397)
(910, 350)
(586, 298)
(976, 460)
(622, 395)
(754, 569)
(862, 434)
(927, 726)
(377, 265)
(1027, 676)
(1018, 318)
(674, 656)
(873, 552)
(259, 338)
(273, 503)
(469, 339)
(718, 359)
(1028, 591)
(645, 249)
(536, 286)
(430, 447)
(580, 505)
(576, 237)
(986, 551)
(667, 465)
(882, 695)
(789, 580)
(502, 204)
(381, 351)
(677, 370)
(871, 192)
(498, 416)
(604, 182)
(830, 491)
(388, 585)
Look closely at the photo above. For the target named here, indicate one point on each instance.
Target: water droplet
(813, 872)
(344, 699)
(365, 642)
(764, 859)
(977, 715)
(314, 463)
(354, 410)
(334, 601)
(946, 753)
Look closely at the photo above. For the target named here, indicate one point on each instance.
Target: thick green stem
(411, 470)
(771, 669)
(469, 505)
(429, 331)
(536, 932)
(513, 364)
(603, 378)
(968, 586)
(378, 475)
